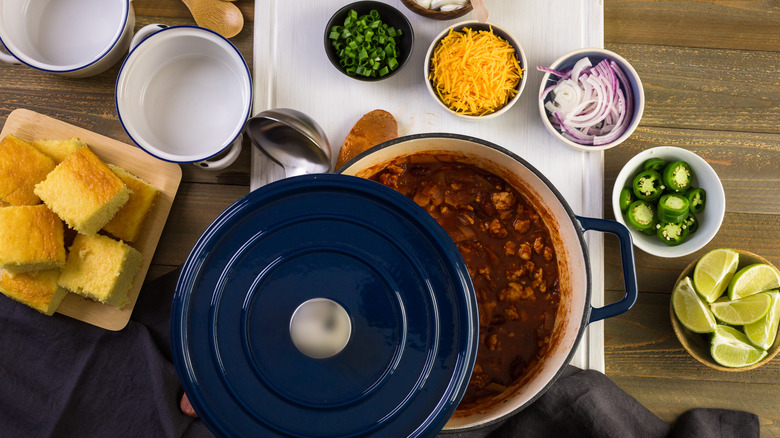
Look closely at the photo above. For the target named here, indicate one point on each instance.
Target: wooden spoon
(480, 10)
(220, 16)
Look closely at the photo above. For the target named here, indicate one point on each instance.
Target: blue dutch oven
(332, 306)
(324, 306)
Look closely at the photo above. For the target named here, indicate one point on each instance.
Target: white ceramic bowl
(73, 38)
(499, 31)
(704, 176)
(183, 95)
(567, 61)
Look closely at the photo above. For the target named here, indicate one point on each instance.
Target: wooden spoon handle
(480, 10)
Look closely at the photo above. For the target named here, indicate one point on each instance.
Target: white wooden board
(291, 70)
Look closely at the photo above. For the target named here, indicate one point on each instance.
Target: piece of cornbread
(21, 168)
(31, 239)
(38, 290)
(83, 191)
(101, 268)
(59, 149)
(127, 222)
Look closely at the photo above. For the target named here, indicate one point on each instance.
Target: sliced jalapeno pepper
(641, 215)
(625, 199)
(650, 231)
(672, 234)
(673, 207)
(677, 176)
(696, 198)
(692, 223)
(648, 185)
(656, 164)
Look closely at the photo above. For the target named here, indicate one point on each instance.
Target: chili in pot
(508, 252)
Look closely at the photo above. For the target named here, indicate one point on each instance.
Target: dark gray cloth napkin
(586, 403)
(60, 377)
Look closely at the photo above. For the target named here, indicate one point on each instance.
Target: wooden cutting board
(29, 126)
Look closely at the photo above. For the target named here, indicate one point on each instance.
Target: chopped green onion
(365, 45)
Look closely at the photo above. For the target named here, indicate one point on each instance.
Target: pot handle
(629, 267)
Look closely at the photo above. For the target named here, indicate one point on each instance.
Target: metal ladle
(292, 139)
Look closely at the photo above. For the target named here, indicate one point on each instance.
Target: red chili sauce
(510, 257)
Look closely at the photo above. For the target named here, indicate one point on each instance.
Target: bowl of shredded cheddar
(475, 70)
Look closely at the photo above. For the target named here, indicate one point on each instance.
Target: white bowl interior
(184, 94)
(573, 272)
(61, 35)
(596, 55)
(704, 176)
(503, 33)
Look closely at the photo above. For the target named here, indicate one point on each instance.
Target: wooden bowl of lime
(725, 310)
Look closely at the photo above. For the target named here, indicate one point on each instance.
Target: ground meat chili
(509, 255)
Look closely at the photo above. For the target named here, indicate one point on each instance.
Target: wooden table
(710, 71)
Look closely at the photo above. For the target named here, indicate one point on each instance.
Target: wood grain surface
(711, 75)
(712, 85)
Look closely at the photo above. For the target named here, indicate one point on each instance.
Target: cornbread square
(128, 221)
(59, 149)
(21, 168)
(101, 268)
(38, 290)
(83, 191)
(31, 239)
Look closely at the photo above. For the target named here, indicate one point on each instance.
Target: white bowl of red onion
(591, 99)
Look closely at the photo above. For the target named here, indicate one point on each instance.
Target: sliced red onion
(555, 72)
(591, 105)
(580, 67)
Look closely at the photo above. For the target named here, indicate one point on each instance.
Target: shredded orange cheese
(474, 72)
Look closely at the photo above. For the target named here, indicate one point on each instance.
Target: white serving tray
(291, 70)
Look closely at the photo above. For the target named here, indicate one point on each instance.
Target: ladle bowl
(292, 139)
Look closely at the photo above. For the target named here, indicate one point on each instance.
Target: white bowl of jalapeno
(670, 199)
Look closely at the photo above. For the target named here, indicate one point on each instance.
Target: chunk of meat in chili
(508, 252)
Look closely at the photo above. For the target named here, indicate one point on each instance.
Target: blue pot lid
(324, 306)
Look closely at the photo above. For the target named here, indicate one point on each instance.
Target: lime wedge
(731, 348)
(743, 311)
(714, 271)
(762, 333)
(753, 279)
(691, 311)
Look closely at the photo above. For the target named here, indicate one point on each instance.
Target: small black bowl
(390, 16)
